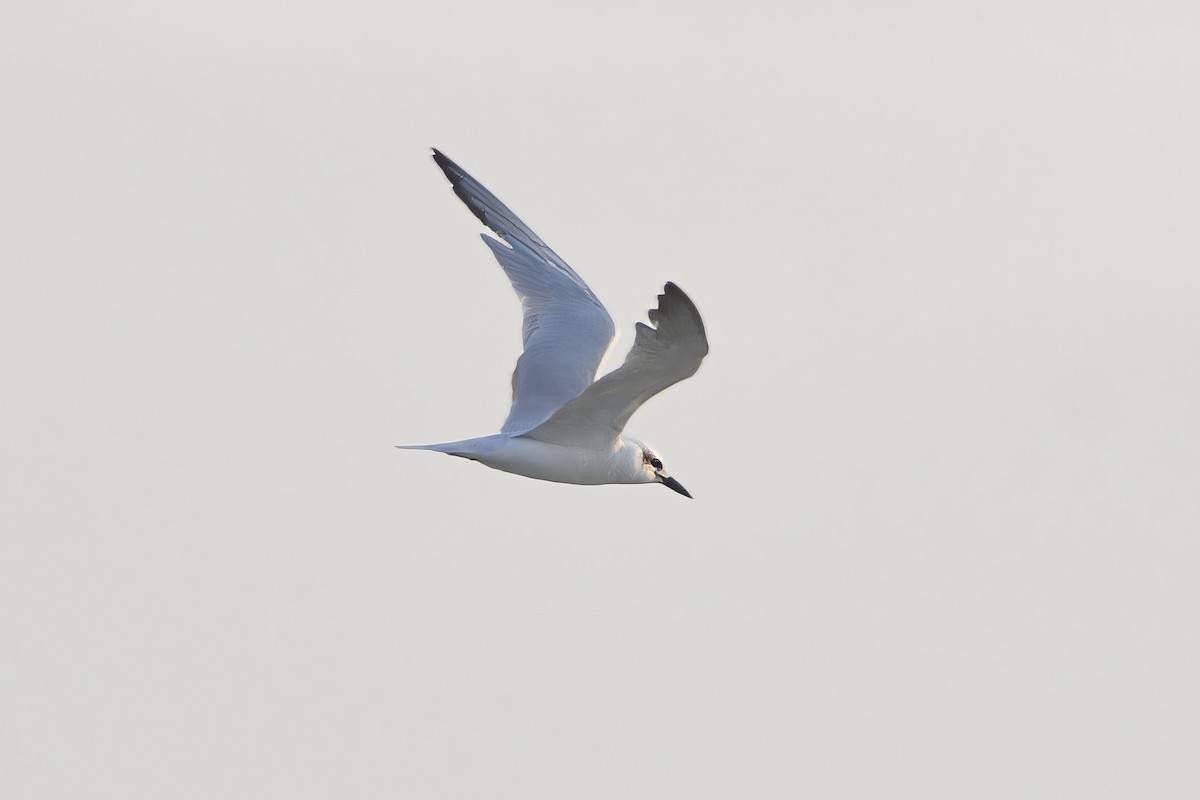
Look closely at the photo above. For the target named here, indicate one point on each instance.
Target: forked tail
(464, 448)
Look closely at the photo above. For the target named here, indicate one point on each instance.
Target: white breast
(552, 462)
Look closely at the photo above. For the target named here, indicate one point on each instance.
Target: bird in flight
(565, 425)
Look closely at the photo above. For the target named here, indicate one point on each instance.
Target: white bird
(564, 424)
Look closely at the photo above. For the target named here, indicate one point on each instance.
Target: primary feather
(565, 331)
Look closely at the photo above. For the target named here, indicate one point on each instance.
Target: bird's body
(546, 461)
(564, 424)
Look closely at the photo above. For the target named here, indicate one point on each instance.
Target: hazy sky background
(945, 450)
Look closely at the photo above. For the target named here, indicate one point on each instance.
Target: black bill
(671, 483)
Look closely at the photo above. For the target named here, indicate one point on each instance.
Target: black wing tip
(673, 296)
(672, 292)
(457, 176)
(453, 171)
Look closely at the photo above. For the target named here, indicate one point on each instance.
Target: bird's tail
(464, 448)
(440, 447)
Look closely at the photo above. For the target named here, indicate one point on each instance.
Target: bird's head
(651, 470)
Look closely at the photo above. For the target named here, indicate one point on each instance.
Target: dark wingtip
(455, 174)
(440, 159)
(449, 167)
(672, 292)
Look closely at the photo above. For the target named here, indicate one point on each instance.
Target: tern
(565, 424)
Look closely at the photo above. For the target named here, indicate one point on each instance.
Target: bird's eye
(654, 462)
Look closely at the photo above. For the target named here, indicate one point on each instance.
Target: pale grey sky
(945, 450)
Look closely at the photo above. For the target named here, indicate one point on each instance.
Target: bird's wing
(566, 330)
(661, 356)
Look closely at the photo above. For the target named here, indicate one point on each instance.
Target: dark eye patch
(654, 462)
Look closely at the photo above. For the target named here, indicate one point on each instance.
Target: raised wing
(566, 331)
(660, 357)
